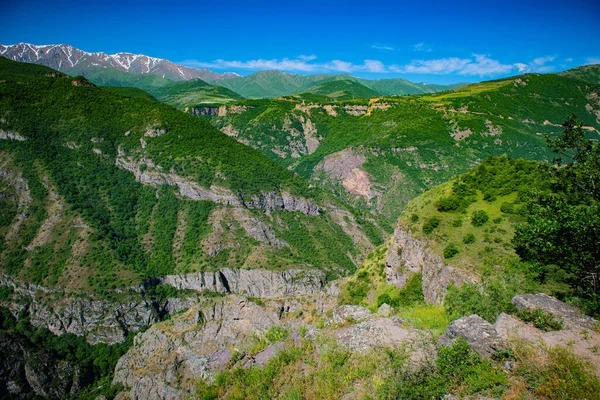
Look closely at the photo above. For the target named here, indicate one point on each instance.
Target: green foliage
(414, 218)
(469, 238)
(430, 224)
(410, 294)
(487, 299)
(276, 334)
(562, 375)
(450, 250)
(541, 319)
(479, 217)
(457, 369)
(355, 290)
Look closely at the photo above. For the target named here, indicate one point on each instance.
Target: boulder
(375, 332)
(571, 316)
(480, 334)
(345, 313)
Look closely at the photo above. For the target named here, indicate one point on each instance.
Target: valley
(169, 232)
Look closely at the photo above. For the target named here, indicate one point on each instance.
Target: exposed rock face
(26, 370)
(196, 344)
(11, 136)
(480, 334)
(344, 166)
(283, 200)
(376, 332)
(203, 110)
(253, 283)
(349, 312)
(572, 317)
(100, 321)
(408, 254)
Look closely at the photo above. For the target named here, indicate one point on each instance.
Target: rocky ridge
(408, 254)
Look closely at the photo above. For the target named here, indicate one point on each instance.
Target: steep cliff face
(99, 320)
(408, 254)
(253, 283)
(26, 370)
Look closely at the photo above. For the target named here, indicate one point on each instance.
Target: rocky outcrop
(408, 254)
(480, 334)
(346, 313)
(583, 343)
(375, 332)
(167, 359)
(571, 317)
(203, 111)
(254, 283)
(27, 371)
(344, 167)
(151, 175)
(98, 320)
(9, 135)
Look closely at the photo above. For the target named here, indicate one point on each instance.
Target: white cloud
(476, 65)
(536, 65)
(384, 47)
(592, 60)
(479, 64)
(568, 59)
(422, 47)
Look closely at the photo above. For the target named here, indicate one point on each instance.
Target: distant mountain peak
(66, 58)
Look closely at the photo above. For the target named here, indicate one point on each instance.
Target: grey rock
(480, 334)
(344, 313)
(376, 332)
(408, 254)
(271, 351)
(254, 283)
(571, 316)
(385, 310)
(166, 359)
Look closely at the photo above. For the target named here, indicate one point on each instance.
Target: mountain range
(149, 73)
(166, 235)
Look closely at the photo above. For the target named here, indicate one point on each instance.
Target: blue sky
(435, 41)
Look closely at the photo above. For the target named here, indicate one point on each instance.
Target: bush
(469, 238)
(507, 208)
(414, 218)
(541, 319)
(479, 217)
(430, 224)
(450, 250)
(409, 295)
(446, 204)
(457, 223)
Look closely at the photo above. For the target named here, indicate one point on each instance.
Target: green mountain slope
(192, 93)
(104, 188)
(381, 153)
(268, 84)
(586, 73)
(341, 90)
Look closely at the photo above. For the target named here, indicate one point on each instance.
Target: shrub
(446, 204)
(507, 208)
(276, 334)
(457, 222)
(409, 295)
(479, 217)
(450, 250)
(430, 224)
(497, 220)
(414, 218)
(541, 319)
(469, 238)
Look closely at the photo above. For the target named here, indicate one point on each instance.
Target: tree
(562, 233)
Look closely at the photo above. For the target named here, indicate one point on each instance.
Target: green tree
(562, 233)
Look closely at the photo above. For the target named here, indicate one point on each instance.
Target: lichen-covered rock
(345, 313)
(375, 332)
(480, 334)
(166, 360)
(571, 316)
(384, 310)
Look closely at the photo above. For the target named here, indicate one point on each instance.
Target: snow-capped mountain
(65, 58)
